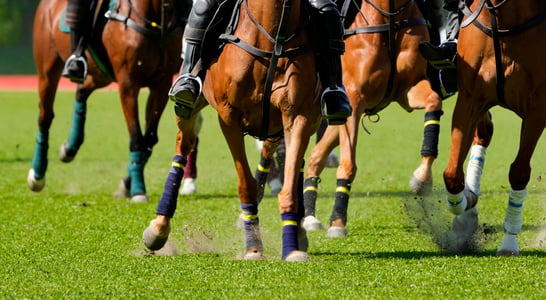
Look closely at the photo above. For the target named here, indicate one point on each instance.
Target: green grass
(73, 240)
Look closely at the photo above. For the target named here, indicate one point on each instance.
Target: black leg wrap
(431, 133)
(301, 206)
(310, 195)
(261, 175)
(342, 201)
(281, 155)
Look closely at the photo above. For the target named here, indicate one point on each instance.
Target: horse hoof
(466, 224)
(188, 187)
(310, 223)
(337, 232)
(152, 240)
(140, 198)
(34, 184)
(420, 187)
(65, 154)
(509, 246)
(297, 256)
(254, 255)
(122, 190)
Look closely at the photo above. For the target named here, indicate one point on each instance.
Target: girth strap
(385, 27)
(151, 33)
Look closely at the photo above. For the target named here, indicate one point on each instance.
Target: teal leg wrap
(75, 139)
(39, 161)
(137, 162)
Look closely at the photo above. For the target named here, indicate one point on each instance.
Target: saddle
(224, 21)
(104, 11)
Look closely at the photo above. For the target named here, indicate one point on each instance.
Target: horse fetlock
(419, 186)
(456, 203)
(161, 225)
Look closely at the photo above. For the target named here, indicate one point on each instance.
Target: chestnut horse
(382, 64)
(499, 63)
(137, 45)
(269, 92)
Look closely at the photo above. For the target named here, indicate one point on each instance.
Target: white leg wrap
(456, 203)
(475, 168)
(512, 221)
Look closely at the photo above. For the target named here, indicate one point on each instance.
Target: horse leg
(246, 187)
(482, 139)
(134, 186)
(461, 201)
(156, 234)
(294, 239)
(316, 164)
(346, 172)
(421, 95)
(68, 150)
(190, 173)
(276, 174)
(265, 165)
(49, 67)
(519, 175)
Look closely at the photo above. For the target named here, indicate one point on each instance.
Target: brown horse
(382, 64)
(137, 45)
(499, 63)
(235, 86)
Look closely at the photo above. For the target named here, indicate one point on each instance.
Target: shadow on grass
(422, 254)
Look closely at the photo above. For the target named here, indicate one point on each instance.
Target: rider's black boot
(75, 67)
(187, 87)
(335, 102)
(329, 32)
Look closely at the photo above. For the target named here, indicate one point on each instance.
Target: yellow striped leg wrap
(263, 169)
(310, 188)
(289, 222)
(249, 217)
(178, 165)
(432, 122)
(343, 189)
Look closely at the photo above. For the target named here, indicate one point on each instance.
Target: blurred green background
(16, 36)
